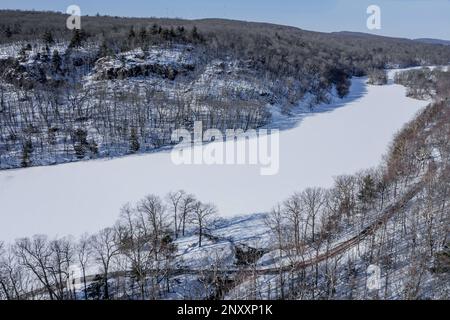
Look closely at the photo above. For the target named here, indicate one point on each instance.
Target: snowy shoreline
(341, 138)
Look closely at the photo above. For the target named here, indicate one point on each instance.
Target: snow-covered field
(341, 138)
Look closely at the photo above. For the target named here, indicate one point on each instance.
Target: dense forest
(122, 85)
(278, 49)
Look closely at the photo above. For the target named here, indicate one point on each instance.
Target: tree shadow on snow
(301, 111)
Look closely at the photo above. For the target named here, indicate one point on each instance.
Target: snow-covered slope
(341, 138)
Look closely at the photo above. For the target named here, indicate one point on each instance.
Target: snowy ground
(337, 139)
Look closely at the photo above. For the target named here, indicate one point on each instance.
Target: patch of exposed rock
(165, 63)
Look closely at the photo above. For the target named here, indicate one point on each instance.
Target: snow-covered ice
(341, 138)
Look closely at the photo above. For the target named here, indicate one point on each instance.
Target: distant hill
(433, 41)
(366, 35)
(374, 36)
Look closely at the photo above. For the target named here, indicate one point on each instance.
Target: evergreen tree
(368, 190)
(143, 35)
(27, 149)
(180, 30)
(165, 34)
(343, 87)
(8, 33)
(155, 29)
(340, 79)
(56, 61)
(134, 141)
(131, 34)
(93, 147)
(22, 56)
(80, 143)
(76, 40)
(48, 38)
(195, 35)
(104, 50)
(45, 54)
(172, 32)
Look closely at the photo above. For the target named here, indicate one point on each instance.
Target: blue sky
(401, 18)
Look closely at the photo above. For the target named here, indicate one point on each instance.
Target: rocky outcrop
(165, 63)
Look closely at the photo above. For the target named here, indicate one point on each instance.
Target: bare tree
(200, 216)
(313, 200)
(293, 211)
(84, 253)
(62, 258)
(105, 248)
(35, 255)
(134, 240)
(14, 282)
(154, 216)
(276, 222)
(175, 200)
(186, 207)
